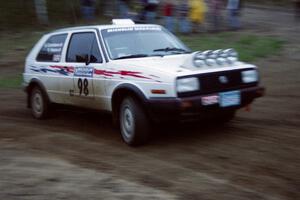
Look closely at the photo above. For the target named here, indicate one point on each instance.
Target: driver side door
(82, 56)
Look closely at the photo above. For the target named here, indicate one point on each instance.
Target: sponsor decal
(54, 47)
(84, 72)
(210, 100)
(130, 29)
(56, 57)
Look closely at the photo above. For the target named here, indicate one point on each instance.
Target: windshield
(141, 41)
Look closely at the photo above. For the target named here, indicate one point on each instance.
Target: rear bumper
(190, 108)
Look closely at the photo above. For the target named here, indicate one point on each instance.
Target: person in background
(141, 18)
(215, 7)
(88, 9)
(109, 7)
(150, 11)
(184, 23)
(169, 12)
(124, 9)
(233, 7)
(297, 9)
(197, 14)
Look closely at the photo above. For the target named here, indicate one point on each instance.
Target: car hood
(167, 64)
(175, 65)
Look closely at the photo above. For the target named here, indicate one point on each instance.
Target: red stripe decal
(122, 73)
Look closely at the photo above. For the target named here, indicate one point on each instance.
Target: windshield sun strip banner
(132, 29)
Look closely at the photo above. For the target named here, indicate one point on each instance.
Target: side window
(83, 46)
(52, 49)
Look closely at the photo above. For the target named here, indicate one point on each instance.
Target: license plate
(228, 99)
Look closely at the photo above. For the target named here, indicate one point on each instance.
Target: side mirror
(83, 59)
(87, 60)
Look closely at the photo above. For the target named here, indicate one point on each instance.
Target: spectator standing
(197, 13)
(169, 12)
(123, 9)
(88, 9)
(233, 7)
(150, 11)
(109, 8)
(184, 23)
(215, 13)
(142, 14)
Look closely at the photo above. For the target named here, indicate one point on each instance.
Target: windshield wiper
(168, 49)
(133, 56)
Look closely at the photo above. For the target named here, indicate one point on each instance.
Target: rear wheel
(134, 123)
(39, 103)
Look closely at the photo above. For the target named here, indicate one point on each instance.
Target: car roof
(100, 27)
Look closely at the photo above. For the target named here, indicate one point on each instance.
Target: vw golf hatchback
(142, 74)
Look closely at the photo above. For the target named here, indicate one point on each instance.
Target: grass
(14, 48)
(11, 82)
(249, 47)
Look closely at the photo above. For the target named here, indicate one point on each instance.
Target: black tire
(134, 123)
(39, 103)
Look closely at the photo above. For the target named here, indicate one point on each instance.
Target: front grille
(211, 83)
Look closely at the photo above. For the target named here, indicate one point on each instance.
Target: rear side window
(52, 49)
(83, 46)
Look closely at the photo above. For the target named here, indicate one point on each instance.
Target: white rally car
(142, 74)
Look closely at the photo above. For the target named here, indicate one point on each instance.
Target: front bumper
(192, 108)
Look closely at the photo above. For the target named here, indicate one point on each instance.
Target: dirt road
(79, 155)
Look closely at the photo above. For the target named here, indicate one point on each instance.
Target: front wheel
(134, 123)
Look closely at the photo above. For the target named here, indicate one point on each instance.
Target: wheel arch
(121, 92)
(35, 83)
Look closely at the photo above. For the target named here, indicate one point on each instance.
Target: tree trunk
(41, 11)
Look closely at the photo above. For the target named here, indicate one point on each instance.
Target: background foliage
(16, 14)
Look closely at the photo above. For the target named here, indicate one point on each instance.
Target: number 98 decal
(83, 86)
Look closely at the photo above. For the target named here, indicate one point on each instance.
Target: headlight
(187, 84)
(231, 60)
(199, 59)
(210, 62)
(219, 57)
(231, 55)
(249, 76)
(217, 52)
(221, 61)
(200, 63)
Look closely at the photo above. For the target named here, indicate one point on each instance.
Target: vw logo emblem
(223, 79)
